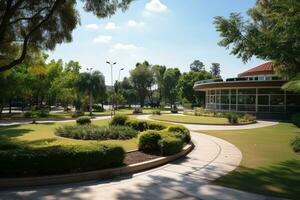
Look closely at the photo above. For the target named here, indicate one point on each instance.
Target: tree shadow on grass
(282, 179)
(13, 131)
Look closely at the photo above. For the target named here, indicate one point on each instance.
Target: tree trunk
(91, 104)
(10, 107)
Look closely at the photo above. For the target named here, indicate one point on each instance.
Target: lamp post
(89, 69)
(120, 73)
(112, 83)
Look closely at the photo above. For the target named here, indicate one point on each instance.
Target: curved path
(187, 178)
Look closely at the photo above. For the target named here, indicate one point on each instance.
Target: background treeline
(41, 84)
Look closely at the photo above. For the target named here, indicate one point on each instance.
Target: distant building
(257, 90)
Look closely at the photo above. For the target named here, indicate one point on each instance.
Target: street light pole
(90, 92)
(112, 83)
(120, 73)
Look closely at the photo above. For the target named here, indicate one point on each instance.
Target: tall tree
(159, 72)
(215, 70)
(91, 84)
(197, 66)
(29, 25)
(271, 33)
(142, 79)
(171, 78)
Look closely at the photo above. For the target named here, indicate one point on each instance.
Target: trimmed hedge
(296, 119)
(148, 141)
(83, 120)
(183, 132)
(91, 132)
(39, 113)
(119, 120)
(55, 160)
(170, 145)
(142, 125)
(295, 144)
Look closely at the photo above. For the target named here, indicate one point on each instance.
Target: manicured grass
(189, 119)
(269, 166)
(42, 135)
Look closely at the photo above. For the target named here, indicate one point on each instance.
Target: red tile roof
(266, 68)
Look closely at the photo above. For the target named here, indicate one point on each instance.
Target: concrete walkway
(197, 127)
(188, 178)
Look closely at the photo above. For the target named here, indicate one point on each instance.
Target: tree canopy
(271, 33)
(27, 25)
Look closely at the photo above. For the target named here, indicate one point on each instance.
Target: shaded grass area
(42, 135)
(189, 119)
(269, 165)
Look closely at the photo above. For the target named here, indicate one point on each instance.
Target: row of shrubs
(38, 113)
(25, 161)
(92, 132)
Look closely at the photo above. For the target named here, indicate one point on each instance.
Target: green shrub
(199, 111)
(90, 132)
(232, 118)
(77, 114)
(247, 118)
(296, 119)
(83, 120)
(148, 141)
(56, 160)
(156, 112)
(162, 105)
(170, 145)
(137, 111)
(98, 108)
(142, 125)
(183, 132)
(295, 144)
(119, 120)
(29, 114)
(42, 113)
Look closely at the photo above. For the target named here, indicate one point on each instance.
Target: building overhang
(238, 84)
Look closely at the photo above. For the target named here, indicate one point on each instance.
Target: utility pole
(112, 84)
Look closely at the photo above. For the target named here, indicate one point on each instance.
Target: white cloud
(121, 46)
(92, 26)
(110, 26)
(133, 24)
(155, 6)
(102, 39)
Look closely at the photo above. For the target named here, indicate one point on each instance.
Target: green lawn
(125, 111)
(41, 135)
(269, 166)
(189, 119)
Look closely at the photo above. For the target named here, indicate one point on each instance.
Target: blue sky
(166, 32)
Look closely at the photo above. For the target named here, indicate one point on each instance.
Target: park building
(257, 90)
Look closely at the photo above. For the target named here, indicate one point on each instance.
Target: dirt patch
(138, 156)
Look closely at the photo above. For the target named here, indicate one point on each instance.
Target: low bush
(90, 132)
(83, 120)
(142, 125)
(156, 112)
(42, 113)
(232, 118)
(170, 145)
(247, 118)
(148, 141)
(199, 111)
(183, 132)
(137, 111)
(98, 108)
(119, 120)
(29, 114)
(77, 114)
(296, 119)
(295, 144)
(55, 160)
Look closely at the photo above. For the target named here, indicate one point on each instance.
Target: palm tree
(91, 84)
